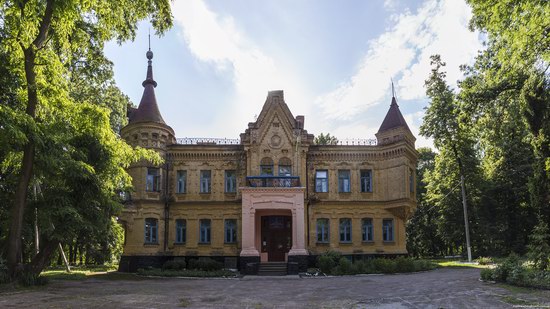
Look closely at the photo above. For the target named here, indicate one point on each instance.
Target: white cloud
(216, 39)
(402, 52)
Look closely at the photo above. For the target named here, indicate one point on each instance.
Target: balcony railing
(273, 181)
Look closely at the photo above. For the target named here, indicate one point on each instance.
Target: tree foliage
(59, 125)
(325, 139)
(499, 120)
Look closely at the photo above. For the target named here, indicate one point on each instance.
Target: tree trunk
(20, 199)
(42, 259)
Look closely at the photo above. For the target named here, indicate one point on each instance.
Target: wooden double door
(276, 237)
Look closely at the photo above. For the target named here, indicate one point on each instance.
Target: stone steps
(272, 269)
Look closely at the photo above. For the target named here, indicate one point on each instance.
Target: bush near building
(202, 267)
(331, 263)
(516, 271)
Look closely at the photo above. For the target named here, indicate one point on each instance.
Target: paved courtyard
(442, 288)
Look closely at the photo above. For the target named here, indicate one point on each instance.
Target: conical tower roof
(148, 110)
(394, 118)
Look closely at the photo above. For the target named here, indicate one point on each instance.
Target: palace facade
(271, 196)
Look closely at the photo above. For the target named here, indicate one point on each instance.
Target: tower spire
(392, 89)
(148, 109)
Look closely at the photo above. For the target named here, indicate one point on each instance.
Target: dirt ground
(441, 288)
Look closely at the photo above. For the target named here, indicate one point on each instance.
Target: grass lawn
(458, 264)
(88, 272)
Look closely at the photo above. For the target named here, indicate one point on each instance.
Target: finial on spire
(149, 53)
(392, 88)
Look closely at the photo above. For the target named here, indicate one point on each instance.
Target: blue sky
(333, 59)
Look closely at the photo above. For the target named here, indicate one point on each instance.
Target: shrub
(517, 275)
(328, 261)
(325, 263)
(487, 274)
(206, 264)
(485, 260)
(404, 265)
(344, 267)
(29, 278)
(382, 265)
(503, 269)
(177, 264)
(539, 246)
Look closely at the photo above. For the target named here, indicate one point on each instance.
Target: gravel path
(442, 288)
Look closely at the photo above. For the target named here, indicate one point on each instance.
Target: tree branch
(45, 25)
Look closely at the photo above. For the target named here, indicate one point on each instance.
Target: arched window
(266, 167)
(285, 167)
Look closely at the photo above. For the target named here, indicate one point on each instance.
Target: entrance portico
(270, 215)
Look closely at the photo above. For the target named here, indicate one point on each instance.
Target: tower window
(152, 183)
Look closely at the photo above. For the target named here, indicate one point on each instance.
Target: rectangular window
(181, 231)
(367, 229)
(344, 181)
(204, 231)
(230, 231)
(285, 170)
(387, 229)
(230, 182)
(323, 228)
(181, 183)
(152, 182)
(321, 181)
(206, 180)
(345, 230)
(411, 181)
(366, 180)
(151, 231)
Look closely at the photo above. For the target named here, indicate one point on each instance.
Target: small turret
(394, 128)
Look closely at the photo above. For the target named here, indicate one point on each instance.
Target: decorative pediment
(276, 127)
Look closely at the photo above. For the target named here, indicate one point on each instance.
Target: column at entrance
(298, 232)
(248, 233)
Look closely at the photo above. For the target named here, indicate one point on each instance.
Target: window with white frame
(321, 181)
(367, 229)
(152, 181)
(323, 230)
(181, 182)
(366, 180)
(230, 231)
(181, 231)
(205, 181)
(387, 230)
(204, 231)
(344, 181)
(151, 231)
(345, 230)
(230, 182)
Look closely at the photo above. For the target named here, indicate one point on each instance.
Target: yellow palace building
(270, 196)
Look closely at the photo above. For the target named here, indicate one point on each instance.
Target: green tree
(423, 238)
(325, 139)
(43, 40)
(539, 246)
(444, 122)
